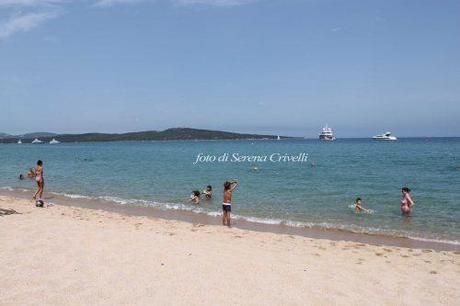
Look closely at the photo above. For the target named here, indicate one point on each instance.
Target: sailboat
(19, 141)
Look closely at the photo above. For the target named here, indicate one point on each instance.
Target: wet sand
(193, 217)
(70, 255)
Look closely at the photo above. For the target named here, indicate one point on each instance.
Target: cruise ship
(327, 134)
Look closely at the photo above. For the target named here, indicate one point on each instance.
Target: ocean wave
(73, 196)
(9, 188)
(453, 242)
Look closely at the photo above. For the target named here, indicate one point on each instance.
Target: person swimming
(359, 207)
(195, 197)
(208, 192)
(406, 201)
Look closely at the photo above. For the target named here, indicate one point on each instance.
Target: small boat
(36, 140)
(54, 141)
(385, 136)
(278, 138)
(327, 134)
(19, 141)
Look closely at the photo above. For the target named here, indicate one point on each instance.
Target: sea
(302, 183)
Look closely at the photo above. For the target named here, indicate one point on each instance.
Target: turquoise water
(317, 192)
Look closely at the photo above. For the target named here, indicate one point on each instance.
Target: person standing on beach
(406, 201)
(39, 178)
(229, 186)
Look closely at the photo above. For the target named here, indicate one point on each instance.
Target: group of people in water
(37, 174)
(229, 187)
(406, 203)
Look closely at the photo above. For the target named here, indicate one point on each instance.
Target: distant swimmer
(208, 192)
(195, 197)
(229, 187)
(359, 207)
(406, 201)
(21, 177)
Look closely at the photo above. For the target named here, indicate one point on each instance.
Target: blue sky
(267, 66)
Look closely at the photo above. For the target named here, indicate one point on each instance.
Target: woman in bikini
(39, 179)
(406, 201)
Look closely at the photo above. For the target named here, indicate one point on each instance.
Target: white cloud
(24, 22)
(13, 3)
(214, 2)
(28, 14)
(107, 3)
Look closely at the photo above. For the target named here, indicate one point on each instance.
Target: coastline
(314, 232)
(93, 256)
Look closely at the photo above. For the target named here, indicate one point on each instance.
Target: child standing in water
(229, 186)
(406, 201)
(39, 178)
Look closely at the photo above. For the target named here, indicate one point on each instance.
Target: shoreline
(82, 256)
(314, 232)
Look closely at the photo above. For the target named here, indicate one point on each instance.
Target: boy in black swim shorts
(229, 186)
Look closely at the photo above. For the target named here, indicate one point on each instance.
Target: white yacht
(327, 134)
(384, 136)
(278, 138)
(19, 141)
(54, 141)
(36, 140)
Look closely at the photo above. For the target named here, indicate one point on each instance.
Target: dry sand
(73, 256)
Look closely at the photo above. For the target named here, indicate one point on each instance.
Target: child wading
(229, 186)
(195, 197)
(359, 206)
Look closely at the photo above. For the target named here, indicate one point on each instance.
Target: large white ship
(327, 134)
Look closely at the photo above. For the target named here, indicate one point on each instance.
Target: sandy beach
(64, 255)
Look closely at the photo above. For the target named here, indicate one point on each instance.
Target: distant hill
(28, 135)
(169, 134)
(38, 134)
